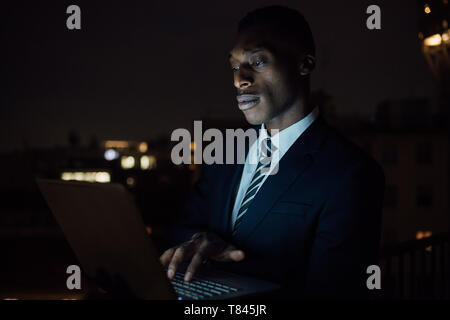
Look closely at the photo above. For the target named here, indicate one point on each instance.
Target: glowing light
(88, 176)
(127, 162)
(148, 230)
(102, 177)
(67, 176)
(433, 40)
(116, 144)
(143, 147)
(427, 9)
(8, 299)
(148, 162)
(193, 146)
(131, 181)
(446, 36)
(423, 234)
(111, 154)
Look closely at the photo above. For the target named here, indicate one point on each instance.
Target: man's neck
(299, 110)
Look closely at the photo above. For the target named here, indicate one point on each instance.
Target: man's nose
(242, 79)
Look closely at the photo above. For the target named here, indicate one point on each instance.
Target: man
(314, 225)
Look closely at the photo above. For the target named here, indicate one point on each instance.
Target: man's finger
(196, 261)
(167, 256)
(177, 258)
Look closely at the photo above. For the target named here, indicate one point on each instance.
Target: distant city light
(427, 9)
(446, 36)
(148, 162)
(88, 176)
(423, 234)
(102, 177)
(433, 40)
(116, 144)
(131, 181)
(111, 154)
(143, 147)
(127, 162)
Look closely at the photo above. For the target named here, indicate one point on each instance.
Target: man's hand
(202, 246)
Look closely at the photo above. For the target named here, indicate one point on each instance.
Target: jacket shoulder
(344, 155)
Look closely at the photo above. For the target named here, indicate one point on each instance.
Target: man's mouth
(247, 101)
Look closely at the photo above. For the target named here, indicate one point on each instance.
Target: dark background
(137, 70)
(144, 68)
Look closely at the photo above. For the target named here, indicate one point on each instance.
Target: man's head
(272, 58)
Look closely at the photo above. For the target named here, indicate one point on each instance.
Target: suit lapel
(296, 160)
(231, 185)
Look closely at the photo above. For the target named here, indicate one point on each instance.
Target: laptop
(105, 229)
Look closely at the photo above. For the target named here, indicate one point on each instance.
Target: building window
(424, 153)
(389, 154)
(424, 196)
(390, 196)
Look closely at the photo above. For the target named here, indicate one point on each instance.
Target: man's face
(263, 75)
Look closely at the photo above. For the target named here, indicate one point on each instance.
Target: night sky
(139, 70)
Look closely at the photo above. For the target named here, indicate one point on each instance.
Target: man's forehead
(249, 44)
(248, 49)
(255, 40)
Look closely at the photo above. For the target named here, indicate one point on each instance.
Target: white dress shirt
(281, 142)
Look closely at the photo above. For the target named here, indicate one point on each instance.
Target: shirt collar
(286, 137)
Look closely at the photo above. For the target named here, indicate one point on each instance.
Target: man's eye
(235, 68)
(257, 63)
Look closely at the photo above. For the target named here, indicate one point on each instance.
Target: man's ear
(307, 65)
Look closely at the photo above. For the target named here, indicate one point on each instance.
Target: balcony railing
(417, 269)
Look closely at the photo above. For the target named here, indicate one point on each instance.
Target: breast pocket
(290, 208)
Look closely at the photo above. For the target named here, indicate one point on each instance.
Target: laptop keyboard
(199, 289)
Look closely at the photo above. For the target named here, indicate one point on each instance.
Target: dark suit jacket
(313, 227)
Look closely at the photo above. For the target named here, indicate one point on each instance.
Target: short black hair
(287, 23)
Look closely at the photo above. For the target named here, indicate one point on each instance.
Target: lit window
(148, 162)
(67, 176)
(434, 40)
(88, 176)
(423, 234)
(143, 147)
(116, 144)
(102, 177)
(127, 162)
(79, 176)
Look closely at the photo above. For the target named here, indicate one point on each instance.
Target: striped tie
(261, 171)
